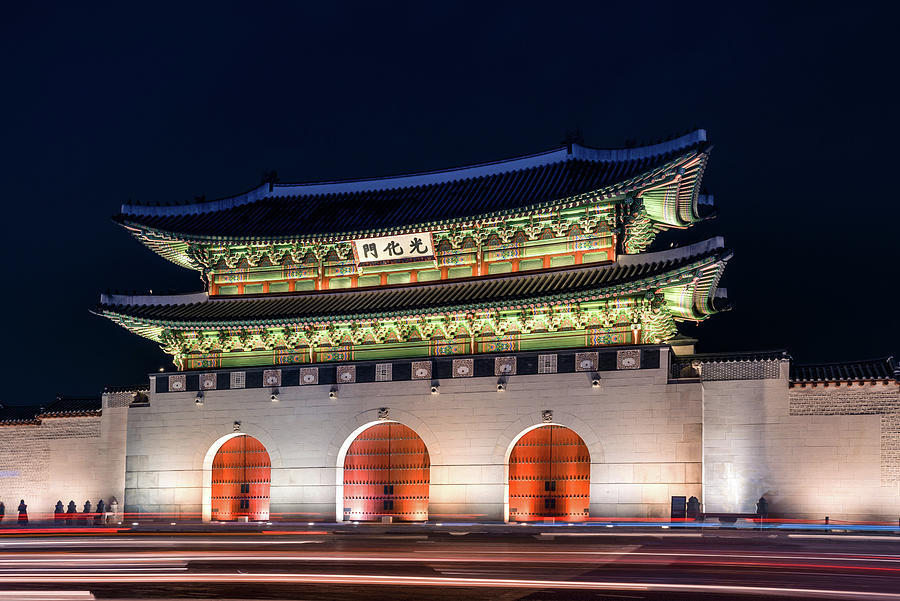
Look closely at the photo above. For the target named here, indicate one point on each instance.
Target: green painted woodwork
(369, 280)
(278, 287)
(339, 283)
(496, 268)
(528, 264)
(562, 261)
(430, 275)
(304, 285)
(594, 257)
(398, 278)
(459, 272)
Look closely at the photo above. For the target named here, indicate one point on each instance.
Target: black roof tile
(849, 371)
(313, 209)
(64, 406)
(507, 288)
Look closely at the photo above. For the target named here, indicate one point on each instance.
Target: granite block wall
(643, 434)
(63, 458)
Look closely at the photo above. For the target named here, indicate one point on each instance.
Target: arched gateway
(549, 476)
(241, 476)
(386, 473)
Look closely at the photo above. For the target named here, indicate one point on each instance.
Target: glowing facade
(495, 342)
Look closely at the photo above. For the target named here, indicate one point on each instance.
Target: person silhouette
(101, 509)
(23, 513)
(59, 512)
(70, 512)
(2, 511)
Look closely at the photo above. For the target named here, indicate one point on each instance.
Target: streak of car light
(428, 581)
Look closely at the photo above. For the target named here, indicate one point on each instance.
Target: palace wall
(643, 434)
(812, 451)
(62, 459)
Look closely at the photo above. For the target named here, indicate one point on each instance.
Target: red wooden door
(386, 473)
(241, 476)
(549, 476)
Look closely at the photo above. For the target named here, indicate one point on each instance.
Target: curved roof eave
(577, 151)
(158, 239)
(703, 255)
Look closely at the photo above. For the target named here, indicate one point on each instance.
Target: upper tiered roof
(279, 211)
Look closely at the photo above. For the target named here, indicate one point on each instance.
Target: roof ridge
(410, 180)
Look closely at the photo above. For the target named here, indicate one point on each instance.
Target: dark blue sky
(112, 103)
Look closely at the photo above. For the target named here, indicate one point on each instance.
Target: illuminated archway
(386, 472)
(240, 480)
(549, 475)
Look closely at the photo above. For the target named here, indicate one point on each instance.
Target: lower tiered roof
(697, 266)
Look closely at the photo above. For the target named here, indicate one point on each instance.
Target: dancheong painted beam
(635, 300)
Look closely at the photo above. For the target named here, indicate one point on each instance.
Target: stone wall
(812, 451)
(643, 434)
(63, 458)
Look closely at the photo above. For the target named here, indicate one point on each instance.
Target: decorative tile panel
(272, 377)
(238, 379)
(630, 359)
(384, 372)
(587, 361)
(504, 366)
(463, 368)
(547, 364)
(177, 383)
(309, 376)
(421, 370)
(346, 374)
(384, 413)
(207, 381)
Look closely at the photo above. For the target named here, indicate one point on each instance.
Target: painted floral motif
(346, 374)
(272, 377)
(421, 370)
(630, 359)
(587, 361)
(504, 366)
(463, 368)
(309, 376)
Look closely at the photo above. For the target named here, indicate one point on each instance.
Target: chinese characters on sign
(394, 248)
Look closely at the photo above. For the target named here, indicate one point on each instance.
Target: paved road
(400, 565)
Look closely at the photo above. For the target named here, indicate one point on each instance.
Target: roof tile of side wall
(62, 406)
(367, 205)
(849, 371)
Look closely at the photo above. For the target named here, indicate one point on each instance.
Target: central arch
(240, 480)
(386, 472)
(549, 475)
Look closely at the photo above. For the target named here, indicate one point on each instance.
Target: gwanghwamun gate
(493, 342)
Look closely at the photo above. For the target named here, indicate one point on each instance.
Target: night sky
(105, 104)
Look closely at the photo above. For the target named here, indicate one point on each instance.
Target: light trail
(443, 581)
(176, 560)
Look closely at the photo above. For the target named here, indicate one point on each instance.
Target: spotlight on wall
(274, 397)
(333, 393)
(435, 388)
(501, 385)
(198, 400)
(595, 380)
